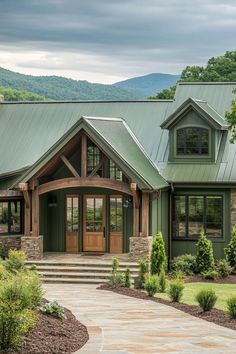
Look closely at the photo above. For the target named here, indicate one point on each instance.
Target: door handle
(104, 231)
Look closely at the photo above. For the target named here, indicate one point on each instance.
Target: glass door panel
(72, 223)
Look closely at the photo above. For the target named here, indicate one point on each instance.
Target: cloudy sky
(110, 40)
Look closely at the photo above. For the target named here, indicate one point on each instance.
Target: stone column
(32, 246)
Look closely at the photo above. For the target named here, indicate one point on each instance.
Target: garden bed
(51, 335)
(231, 279)
(216, 316)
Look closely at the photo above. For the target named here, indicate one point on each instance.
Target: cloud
(114, 39)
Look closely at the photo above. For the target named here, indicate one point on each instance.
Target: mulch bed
(51, 335)
(231, 279)
(215, 315)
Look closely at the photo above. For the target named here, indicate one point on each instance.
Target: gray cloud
(126, 37)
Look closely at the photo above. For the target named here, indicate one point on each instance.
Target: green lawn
(223, 291)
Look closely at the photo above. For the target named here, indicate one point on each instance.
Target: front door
(94, 223)
(72, 223)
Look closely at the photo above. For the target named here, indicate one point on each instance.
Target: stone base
(7, 243)
(32, 246)
(140, 247)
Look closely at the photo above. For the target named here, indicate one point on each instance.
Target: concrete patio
(119, 324)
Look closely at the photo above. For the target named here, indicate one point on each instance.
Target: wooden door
(116, 224)
(94, 223)
(72, 223)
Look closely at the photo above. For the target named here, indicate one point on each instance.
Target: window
(116, 214)
(72, 213)
(94, 214)
(11, 217)
(192, 141)
(93, 159)
(194, 213)
(115, 172)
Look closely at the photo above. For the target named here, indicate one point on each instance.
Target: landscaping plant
(206, 299)
(142, 274)
(176, 288)
(116, 277)
(230, 250)
(158, 254)
(231, 306)
(162, 281)
(185, 263)
(53, 308)
(15, 261)
(211, 274)
(127, 278)
(205, 258)
(152, 285)
(223, 268)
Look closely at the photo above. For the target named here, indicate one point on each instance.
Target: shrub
(16, 261)
(3, 272)
(14, 324)
(158, 254)
(127, 278)
(230, 250)
(116, 277)
(206, 299)
(211, 275)
(115, 264)
(162, 281)
(53, 308)
(231, 306)
(185, 263)
(142, 274)
(3, 251)
(205, 258)
(152, 285)
(175, 291)
(223, 268)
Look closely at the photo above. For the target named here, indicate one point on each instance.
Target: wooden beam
(135, 214)
(69, 166)
(27, 221)
(35, 212)
(84, 156)
(27, 198)
(94, 171)
(85, 182)
(23, 186)
(145, 214)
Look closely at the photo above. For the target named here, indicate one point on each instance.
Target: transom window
(196, 213)
(115, 172)
(192, 141)
(11, 217)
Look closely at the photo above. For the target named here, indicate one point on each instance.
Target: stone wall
(233, 208)
(140, 247)
(9, 242)
(32, 246)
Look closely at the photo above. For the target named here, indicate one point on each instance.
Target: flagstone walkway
(123, 325)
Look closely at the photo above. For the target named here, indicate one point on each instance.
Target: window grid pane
(192, 141)
(11, 217)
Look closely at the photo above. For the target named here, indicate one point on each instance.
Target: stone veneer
(233, 208)
(32, 246)
(140, 247)
(9, 242)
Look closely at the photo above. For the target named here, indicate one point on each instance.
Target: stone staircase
(78, 272)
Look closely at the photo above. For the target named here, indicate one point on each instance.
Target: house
(106, 176)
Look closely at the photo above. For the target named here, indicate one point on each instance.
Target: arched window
(192, 141)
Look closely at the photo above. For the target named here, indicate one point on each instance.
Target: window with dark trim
(192, 141)
(11, 217)
(93, 159)
(116, 214)
(115, 172)
(196, 213)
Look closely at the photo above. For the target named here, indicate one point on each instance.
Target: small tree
(230, 250)
(158, 255)
(205, 258)
(127, 278)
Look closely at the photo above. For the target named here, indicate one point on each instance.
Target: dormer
(195, 132)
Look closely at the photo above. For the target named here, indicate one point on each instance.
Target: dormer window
(192, 141)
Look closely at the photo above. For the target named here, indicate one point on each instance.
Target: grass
(223, 292)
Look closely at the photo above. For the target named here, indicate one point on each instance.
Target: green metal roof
(29, 130)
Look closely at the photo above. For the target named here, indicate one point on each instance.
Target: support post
(35, 212)
(84, 156)
(145, 214)
(24, 187)
(134, 190)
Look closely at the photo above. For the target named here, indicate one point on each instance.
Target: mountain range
(61, 88)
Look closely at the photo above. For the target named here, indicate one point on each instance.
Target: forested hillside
(19, 95)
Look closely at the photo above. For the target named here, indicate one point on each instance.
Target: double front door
(93, 223)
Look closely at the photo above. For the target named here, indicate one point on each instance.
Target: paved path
(123, 325)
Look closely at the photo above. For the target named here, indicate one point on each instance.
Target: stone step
(74, 280)
(75, 275)
(42, 268)
(81, 264)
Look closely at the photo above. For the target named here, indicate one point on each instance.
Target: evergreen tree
(205, 258)
(158, 255)
(230, 250)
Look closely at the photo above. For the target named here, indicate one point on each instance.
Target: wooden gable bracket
(133, 187)
(99, 165)
(69, 166)
(24, 188)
